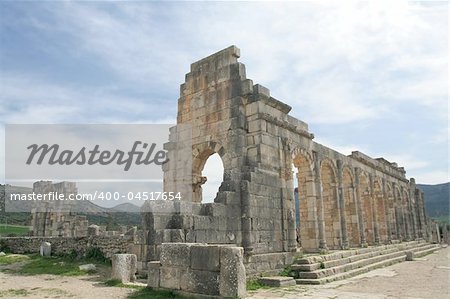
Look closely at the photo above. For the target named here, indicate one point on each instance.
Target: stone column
(320, 213)
(341, 200)
(357, 195)
(376, 232)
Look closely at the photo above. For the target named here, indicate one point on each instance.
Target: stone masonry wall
(215, 270)
(61, 245)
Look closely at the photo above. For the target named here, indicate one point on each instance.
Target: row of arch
(343, 207)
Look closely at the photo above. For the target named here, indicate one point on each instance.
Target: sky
(367, 76)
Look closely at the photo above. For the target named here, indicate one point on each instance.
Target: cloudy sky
(365, 76)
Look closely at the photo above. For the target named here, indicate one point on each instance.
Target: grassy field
(13, 230)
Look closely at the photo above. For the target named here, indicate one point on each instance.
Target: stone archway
(307, 231)
(201, 154)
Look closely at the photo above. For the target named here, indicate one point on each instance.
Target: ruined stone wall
(61, 246)
(345, 201)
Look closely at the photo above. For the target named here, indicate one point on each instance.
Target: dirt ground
(428, 277)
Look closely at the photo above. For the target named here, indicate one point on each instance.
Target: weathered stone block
(232, 272)
(200, 282)
(45, 249)
(170, 277)
(205, 257)
(124, 267)
(153, 277)
(277, 281)
(176, 254)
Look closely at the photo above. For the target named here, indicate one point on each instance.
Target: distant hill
(437, 199)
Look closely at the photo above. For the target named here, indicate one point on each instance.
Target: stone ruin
(343, 201)
(52, 220)
(258, 223)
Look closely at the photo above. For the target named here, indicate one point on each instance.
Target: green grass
(44, 265)
(13, 230)
(13, 258)
(14, 293)
(144, 293)
(254, 284)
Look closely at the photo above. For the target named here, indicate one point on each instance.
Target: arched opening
(351, 215)
(380, 211)
(304, 184)
(330, 206)
(213, 172)
(296, 199)
(366, 204)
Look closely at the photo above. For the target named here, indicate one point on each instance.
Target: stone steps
(343, 264)
(347, 256)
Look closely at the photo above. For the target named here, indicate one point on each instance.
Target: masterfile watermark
(58, 167)
(91, 152)
(103, 157)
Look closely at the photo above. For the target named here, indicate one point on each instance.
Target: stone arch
(201, 153)
(350, 207)
(330, 204)
(366, 207)
(378, 196)
(307, 231)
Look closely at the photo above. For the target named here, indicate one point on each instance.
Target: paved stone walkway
(427, 277)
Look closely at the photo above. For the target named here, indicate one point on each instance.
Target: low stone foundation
(213, 270)
(65, 245)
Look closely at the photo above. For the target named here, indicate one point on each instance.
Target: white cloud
(335, 63)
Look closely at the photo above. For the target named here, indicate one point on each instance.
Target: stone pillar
(413, 207)
(406, 216)
(376, 230)
(287, 194)
(438, 233)
(422, 214)
(246, 218)
(398, 217)
(357, 195)
(445, 234)
(386, 212)
(340, 194)
(320, 212)
(124, 267)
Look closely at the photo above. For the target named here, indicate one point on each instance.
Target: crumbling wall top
(217, 60)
